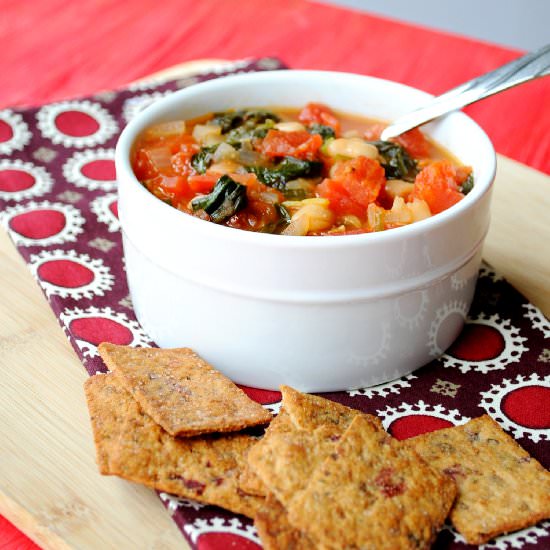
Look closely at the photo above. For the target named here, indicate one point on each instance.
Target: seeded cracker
(202, 468)
(309, 411)
(103, 396)
(295, 444)
(500, 487)
(372, 492)
(182, 392)
(249, 482)
(276, 533)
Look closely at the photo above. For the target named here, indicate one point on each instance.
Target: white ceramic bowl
(316, 313)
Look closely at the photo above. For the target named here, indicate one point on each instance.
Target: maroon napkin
(58, 204)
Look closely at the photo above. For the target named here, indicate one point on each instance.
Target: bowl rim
(132, 130)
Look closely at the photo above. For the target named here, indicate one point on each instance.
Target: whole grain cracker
(249, 481)
(182, 392)
(201, 468)
(285, 461)
(103, 395)
(309, 411)
(372, 492)
(275, 532)
(501, 488)
(298, 440)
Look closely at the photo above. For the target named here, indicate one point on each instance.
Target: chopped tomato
(171, 188)
(300, 144)
(413, 141)
(437, 184)
(202, 183)
(462, 174)
(353, 186)
(143, 169)
(317, 113)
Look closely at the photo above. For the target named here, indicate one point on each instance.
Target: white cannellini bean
(399, 188)
(352, 148)
(289, 126)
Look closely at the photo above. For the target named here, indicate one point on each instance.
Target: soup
(297, 172)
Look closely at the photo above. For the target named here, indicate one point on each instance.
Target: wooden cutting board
(49, 485)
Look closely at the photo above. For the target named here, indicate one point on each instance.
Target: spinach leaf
(226, 199)
(288, 169)
(247, 132)
(203, 159)
(468, 185)
(398, 164)
(324, 131)
(230, 120)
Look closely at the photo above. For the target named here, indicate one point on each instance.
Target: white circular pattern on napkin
(226, 533)
(500, 344)
(89, 327)
(407, 420)
(383, 390)
(22, 180)
(136, 104)
(444, 313)
(14, 132)
(42, 224)
(518, 406)
(76, 123)
(68, 274)
(536, 316)
(105, 207)
(92, 169)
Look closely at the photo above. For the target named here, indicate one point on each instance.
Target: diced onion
(271, 198)
(251, 158)
(315, 201)
(224, 151)
(349, 220)
(419, 209)
(166, 129)
(160, 158)
(399, 213)
(225, 167)
(375, 217)
(203, 131)
(297, 227)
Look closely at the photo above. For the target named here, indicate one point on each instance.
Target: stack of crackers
(323, 475)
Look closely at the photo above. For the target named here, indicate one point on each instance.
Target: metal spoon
(530, 66)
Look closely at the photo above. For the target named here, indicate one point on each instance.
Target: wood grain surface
(49, 485)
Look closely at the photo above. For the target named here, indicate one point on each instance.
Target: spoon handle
(533, 65)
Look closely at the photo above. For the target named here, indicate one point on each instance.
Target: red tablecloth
(55, 49)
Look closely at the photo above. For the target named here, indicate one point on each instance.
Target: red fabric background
(56, 49)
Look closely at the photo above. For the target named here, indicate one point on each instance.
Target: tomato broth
(298, 172)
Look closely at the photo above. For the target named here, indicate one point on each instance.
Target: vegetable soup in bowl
(266, 226)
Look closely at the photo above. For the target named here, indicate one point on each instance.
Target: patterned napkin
(58, 203)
